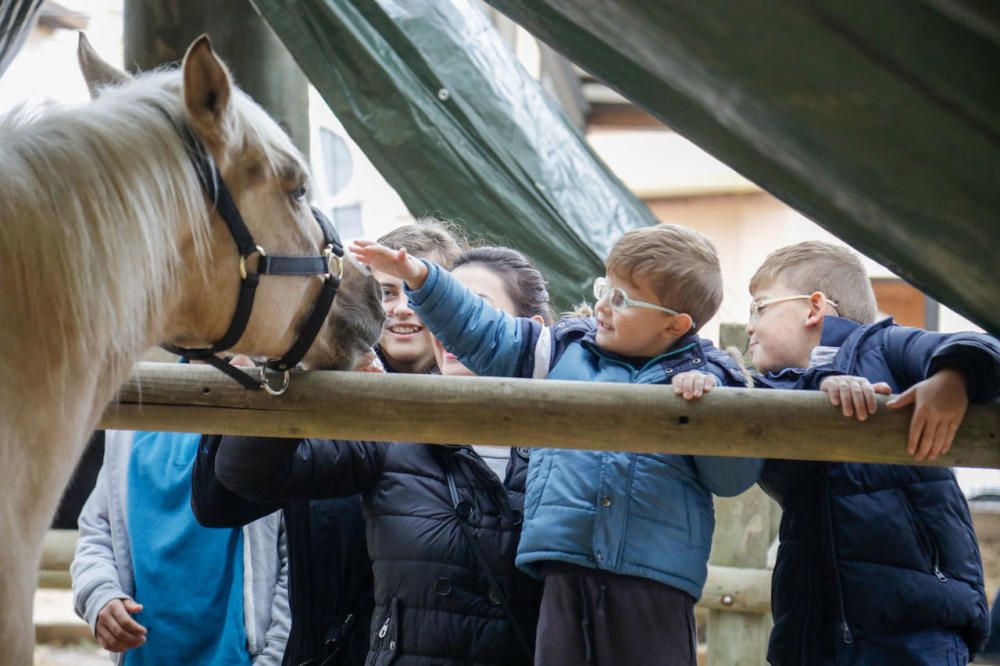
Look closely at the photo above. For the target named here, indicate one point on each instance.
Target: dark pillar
(159, 31)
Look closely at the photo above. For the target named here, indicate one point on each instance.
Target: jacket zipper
(385, 628)
(844, 627)
(382, 634)
(931, 543)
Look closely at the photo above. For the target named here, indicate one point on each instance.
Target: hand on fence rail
(940, 403)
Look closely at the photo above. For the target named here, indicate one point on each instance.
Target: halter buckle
(333, 260)
(259, 251)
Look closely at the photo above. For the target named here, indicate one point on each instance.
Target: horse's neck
(94, 223)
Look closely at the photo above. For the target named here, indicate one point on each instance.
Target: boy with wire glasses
(878, 564)
(621, 539)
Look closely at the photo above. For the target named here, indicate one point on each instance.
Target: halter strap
(329, 265)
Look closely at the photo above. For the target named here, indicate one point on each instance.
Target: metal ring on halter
(266, 377)
(333, 260)
(258, 250)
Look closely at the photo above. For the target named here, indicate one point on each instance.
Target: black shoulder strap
(463, 510)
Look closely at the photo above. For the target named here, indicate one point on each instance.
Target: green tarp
(878, 120)
(451, 120)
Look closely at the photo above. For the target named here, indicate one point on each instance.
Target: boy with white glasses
(621, 539)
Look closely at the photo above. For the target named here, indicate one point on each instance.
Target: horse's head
(268, 180)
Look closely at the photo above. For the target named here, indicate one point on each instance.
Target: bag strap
(463, 510)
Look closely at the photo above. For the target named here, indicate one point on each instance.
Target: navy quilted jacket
(877, 549)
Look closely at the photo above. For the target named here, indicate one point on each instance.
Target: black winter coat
(877, 550)
(434, 603)
(330, 576)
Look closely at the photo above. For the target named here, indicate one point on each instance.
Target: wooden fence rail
(580, 415)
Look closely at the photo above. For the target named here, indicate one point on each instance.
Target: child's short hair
(818, 266)
(427, 238)
(680, 264)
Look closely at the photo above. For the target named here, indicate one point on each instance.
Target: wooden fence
(579, 415)
(557, 414)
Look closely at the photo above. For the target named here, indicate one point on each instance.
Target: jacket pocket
(388, 637)
(927, 542)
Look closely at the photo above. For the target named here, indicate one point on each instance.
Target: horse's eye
(299, 193)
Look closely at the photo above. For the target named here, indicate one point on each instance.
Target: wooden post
(158, 32)
(516, 412)
(742, 537)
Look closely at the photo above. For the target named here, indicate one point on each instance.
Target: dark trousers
(591, 617)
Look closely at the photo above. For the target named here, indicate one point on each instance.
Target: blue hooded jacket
(646, 515)
(870, 551)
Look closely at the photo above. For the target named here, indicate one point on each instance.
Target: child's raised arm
(392, 262)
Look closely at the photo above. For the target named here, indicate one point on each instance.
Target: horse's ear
(97, 73)
(207, 91)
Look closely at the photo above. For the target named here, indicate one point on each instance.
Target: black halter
(274, 377)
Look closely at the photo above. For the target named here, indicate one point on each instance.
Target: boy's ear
(817, 309)
(538, 318)
(679, 325)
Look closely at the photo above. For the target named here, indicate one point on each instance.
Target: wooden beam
(740, 542)
(58, 549)
(737, 590)
(560, 414)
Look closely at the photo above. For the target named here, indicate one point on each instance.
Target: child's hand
(115, 629)
(939, 403)
(693, 384)
(854, 395)
(394, 262)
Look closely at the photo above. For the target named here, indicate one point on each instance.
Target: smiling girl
(406, 345)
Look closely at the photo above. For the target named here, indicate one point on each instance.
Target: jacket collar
(836, 331)
(688, 347)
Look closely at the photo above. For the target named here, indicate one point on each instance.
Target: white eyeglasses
(757, 307)
(619, 299)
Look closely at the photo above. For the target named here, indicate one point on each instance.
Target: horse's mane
(87, 192)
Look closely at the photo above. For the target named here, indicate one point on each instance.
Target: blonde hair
(680, 265)
(427, 238)
(817, 266)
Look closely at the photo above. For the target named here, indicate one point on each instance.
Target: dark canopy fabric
(448, 116)
(878, 120)
(17, 18)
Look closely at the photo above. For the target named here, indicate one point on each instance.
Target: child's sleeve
(487, 340)
(726, 476)
(914, 355)
(213, 504)
(93, 569)
(269, 469)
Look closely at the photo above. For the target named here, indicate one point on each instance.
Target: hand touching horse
(111, 240)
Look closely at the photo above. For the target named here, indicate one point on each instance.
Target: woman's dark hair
(524, 282)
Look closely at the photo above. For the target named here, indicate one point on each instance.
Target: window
(338, 166)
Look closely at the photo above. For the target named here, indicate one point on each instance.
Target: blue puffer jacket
(647, 515)
(873, 551)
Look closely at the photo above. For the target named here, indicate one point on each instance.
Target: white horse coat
(108, 246)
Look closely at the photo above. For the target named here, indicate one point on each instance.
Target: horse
(112, 239)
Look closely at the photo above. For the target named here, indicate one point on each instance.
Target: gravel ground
(79, 654)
